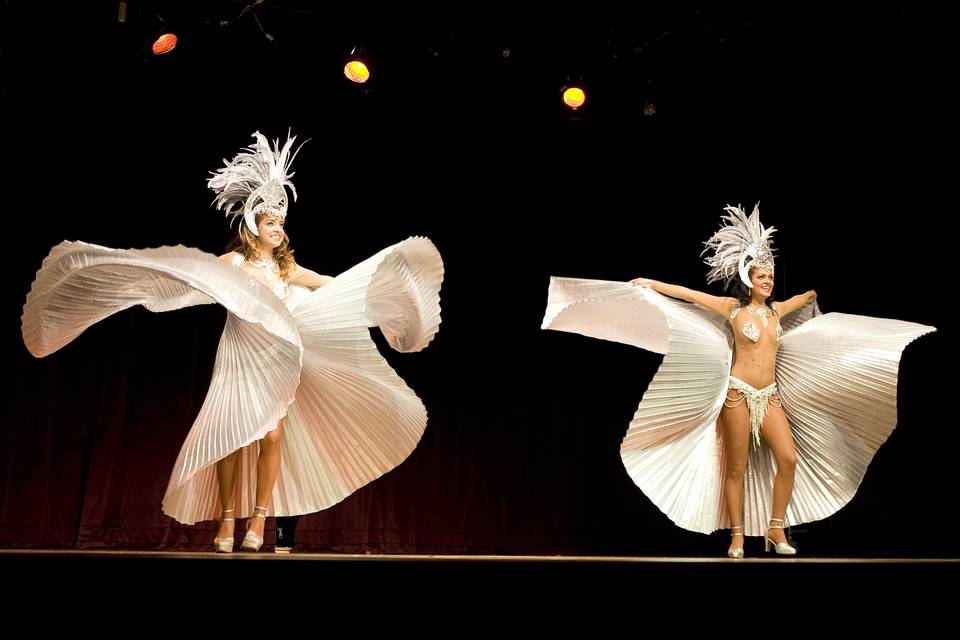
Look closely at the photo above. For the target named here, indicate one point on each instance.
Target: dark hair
(744, 295)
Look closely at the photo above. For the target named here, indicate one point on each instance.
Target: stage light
(574, 97)
(164, 44)
(356, 71)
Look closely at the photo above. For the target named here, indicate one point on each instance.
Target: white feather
(256, 171)
(740, 233)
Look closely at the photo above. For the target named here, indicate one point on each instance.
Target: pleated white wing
(837, 375)
(350, 417)
(354, 418)
(672, 449)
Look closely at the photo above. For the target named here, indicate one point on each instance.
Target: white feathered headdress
(255, 181)
(740, 244)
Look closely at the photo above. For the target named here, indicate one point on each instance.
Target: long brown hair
(245, 243)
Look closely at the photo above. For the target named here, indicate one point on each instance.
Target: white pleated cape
(837, 376)
(309, 357)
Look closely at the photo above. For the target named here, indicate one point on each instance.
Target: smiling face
(762, 280)
(271, 230)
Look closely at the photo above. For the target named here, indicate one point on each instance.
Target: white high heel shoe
(251, 541)
(781, 548)
(736, 552)
(224, 545)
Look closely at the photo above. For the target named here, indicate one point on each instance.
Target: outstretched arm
(307, 278)
(789, 306)
(721, 305)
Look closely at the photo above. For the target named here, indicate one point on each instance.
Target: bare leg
(776, 431)
(227, 481)
(268, 467)
(735, 419)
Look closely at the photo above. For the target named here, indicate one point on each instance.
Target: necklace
(759, 312)
(269, 271)
(268, 265)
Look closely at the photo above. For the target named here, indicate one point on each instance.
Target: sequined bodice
(749, 327)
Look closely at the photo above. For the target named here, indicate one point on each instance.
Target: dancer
(756, 402)
(302, 410)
